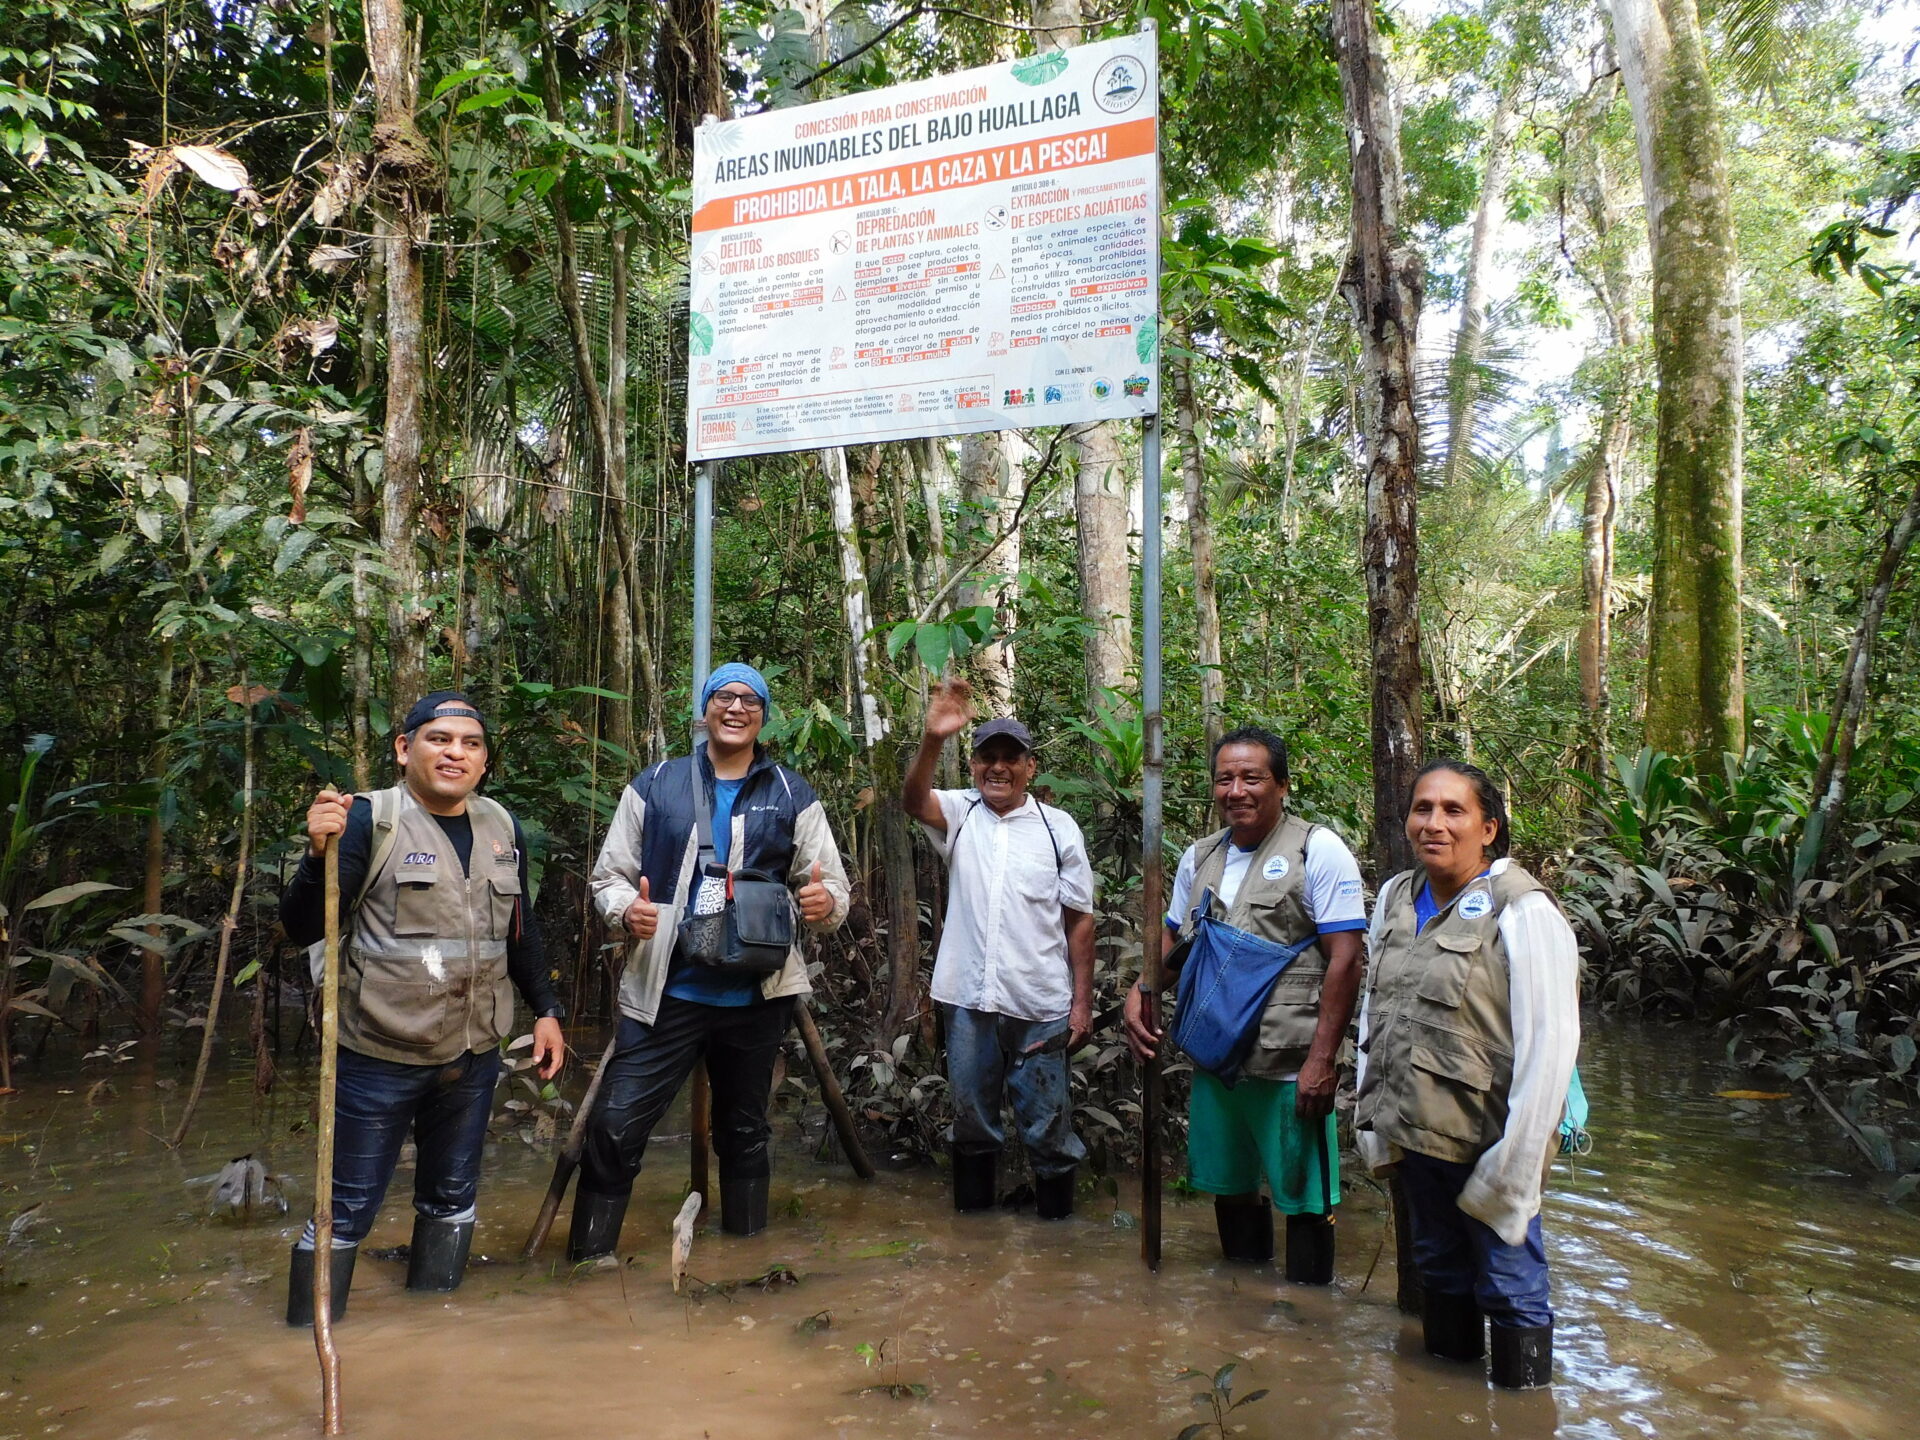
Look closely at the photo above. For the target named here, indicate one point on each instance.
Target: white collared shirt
(1003, 948)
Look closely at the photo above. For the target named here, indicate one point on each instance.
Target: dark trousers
(652, 1062)
(1459, 1255)
(379, 1101)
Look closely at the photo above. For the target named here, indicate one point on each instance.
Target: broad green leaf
(68, 893)
(114, 551)
(1146, 338)
(150, 524)
(935, 644)
(700, 334)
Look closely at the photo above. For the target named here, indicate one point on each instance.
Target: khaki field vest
(1274, 908)
(425, 979)
(1439, 1021)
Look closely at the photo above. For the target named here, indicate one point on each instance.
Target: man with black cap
(438, 937)
(690, 836)
(1014, 976)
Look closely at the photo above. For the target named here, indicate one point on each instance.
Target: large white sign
(977, 252)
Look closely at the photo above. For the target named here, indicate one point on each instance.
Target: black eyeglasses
(728, 699)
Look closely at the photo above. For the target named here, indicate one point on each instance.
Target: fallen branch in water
(1854, 1133)
(229, 923)
(568, 1162)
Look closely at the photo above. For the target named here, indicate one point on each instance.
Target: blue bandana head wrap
(736, 673)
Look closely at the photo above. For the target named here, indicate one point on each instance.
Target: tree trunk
(853, 599)
(1612, 284)
(1463, 387)
(988, 494)
(403, 165)
(1850, 704)
(609, 452)
(687, 79)
(1193, 475)
(1383, 284)
(1696, 684)
(153, 963)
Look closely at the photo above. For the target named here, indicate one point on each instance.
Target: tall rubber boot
(1246, 1228)
(1455, 1328)
(1310, 1249)
(1053, 1195)
(437, 1258)
(1522, 1356)
(743, 1205)
(975, 1179)
(300, 1284)
(596, 1224)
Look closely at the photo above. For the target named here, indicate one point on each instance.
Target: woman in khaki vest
(1468, 1037)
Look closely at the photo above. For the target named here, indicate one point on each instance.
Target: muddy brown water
(1715, 1272)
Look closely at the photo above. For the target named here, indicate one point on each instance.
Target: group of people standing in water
(716, 863)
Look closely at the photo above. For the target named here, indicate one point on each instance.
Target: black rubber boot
(743, 1205)
(1246, 1228)
(1522, 1356)
(300, 1284)
(1455, 1329)
(1053, 1195)
(596, 1224)
(975, 1178)
(1310, 1249)
(437, 1258)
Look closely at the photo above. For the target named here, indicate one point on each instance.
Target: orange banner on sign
(925, 177)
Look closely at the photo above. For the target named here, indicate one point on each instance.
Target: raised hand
(949, 708)
(643, 916)
(816, 901)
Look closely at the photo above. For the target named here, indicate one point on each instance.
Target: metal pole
(1151, 876)
(704, 476)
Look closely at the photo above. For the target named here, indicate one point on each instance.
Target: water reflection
(1713, 1273)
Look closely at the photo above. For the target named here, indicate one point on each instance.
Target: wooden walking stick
(830, 1092)
(702, 1132)
(569, 1160)
(330, 1421)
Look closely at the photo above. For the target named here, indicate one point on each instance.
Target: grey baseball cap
(1006, 725)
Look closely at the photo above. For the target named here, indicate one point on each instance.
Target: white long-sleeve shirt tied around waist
(1003, 948)
(1543, 988)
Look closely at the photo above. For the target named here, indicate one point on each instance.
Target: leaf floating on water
(23, 1222)
(1751, 1094)
(683, 1237)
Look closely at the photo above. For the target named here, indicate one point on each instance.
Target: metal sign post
(1151, 865)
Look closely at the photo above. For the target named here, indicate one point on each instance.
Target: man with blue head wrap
(676, 1006)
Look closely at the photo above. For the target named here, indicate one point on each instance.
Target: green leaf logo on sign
(1146, 338)
(1039, 69)
(700, 334)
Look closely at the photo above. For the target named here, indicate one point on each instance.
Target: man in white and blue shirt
(1014, 976)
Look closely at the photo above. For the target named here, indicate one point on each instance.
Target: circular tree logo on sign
(1119, 84)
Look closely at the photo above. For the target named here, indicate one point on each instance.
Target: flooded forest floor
(1715, 1271)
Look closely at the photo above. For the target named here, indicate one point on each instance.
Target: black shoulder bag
(741, 922)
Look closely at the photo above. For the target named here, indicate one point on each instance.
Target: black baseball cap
(1006, 725)
(439, 703)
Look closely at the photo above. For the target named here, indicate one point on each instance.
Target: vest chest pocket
(503, 893)
(1443, 979)
(416, 903)
(1446, 1092)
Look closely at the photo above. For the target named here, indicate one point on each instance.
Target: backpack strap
(1059, 865)
(385, 805)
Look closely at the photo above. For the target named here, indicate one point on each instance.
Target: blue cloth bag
(1223, 990)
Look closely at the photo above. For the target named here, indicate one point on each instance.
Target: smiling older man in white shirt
(1014, 976)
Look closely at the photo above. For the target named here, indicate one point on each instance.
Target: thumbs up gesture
(816, 902)
(643, 916)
